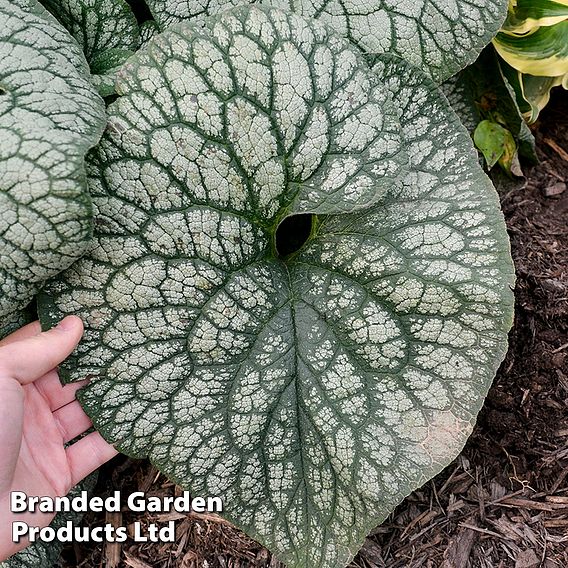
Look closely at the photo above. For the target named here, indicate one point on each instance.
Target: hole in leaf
(141, 10)
(110, 99)
(292, 233)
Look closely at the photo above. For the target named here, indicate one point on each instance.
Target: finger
(71, 421)
(88, 454)
(28, 330)
(12, 413)
(33, 357)
(54, 392)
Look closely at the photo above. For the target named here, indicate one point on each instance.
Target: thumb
(31, 358)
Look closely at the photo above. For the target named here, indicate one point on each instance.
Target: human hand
(37, 418)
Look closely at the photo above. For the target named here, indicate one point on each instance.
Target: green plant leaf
(491, 139)
(50, 115)
(532, 93)
(482, 92)
(439, 36)
(498, 146)
(98, 26)
(313, 391)
(533, 46)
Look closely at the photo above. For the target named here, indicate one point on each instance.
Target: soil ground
(503, 503)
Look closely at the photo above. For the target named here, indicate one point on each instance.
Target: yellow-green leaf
(543, 52)
(526, 15)
(536, 91)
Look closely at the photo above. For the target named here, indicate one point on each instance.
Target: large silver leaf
(438, 36)
(314, 391)
(50, 115)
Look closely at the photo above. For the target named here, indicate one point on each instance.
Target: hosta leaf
(528, 14)
(533, 45)
(542, 52)
(536, 92)
(50, 115)
(440, 36)
(313, 391)
(532, 93)
(98, 26)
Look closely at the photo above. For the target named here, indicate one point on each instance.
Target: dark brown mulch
(503, 503)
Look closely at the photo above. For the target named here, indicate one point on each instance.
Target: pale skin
(38, 417)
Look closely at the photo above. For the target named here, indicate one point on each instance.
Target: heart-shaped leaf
(312, 390)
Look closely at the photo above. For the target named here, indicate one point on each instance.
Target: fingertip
(31, 358)
(70, 323)
(71, 329)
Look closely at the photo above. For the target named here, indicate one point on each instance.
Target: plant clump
(298, 286)
(314, 391)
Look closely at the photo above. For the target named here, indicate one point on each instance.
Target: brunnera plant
(49, 225)
(312, 379)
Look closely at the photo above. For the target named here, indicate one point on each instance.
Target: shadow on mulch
(503, 503)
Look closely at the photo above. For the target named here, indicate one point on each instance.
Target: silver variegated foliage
(148, 30)
(102, 28)
(312, 392)
(107, 31)
(50, 115)
(438, 36)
